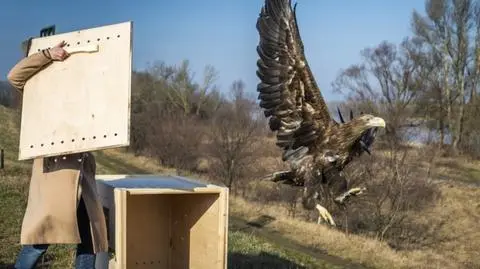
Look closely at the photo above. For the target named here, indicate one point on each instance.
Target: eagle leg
(285, 177)
(344, 197)
(324, 215)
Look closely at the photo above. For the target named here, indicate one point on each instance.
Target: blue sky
(220, 33)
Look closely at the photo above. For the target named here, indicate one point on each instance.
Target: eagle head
(366, 121)
(361, 132)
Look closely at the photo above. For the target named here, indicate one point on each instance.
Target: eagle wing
(288, 92)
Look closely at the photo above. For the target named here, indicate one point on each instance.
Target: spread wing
(288, 92)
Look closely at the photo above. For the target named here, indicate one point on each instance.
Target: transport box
(164, 222)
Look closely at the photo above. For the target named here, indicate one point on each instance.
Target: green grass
(245, 250)
(249, 251)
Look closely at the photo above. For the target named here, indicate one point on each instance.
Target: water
(422, 135)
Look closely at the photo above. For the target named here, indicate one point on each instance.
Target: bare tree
(209, 77)
(447, 30)
(398, 186)
(181, 90)
(233, 140)
(386, 82)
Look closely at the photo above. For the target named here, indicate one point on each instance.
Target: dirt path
(238, 224)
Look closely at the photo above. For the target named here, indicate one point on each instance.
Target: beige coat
(55, 187)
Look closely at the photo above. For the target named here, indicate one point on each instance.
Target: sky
(215, 32)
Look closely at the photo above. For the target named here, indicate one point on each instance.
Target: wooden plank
(195, 234)
(120, 228)
(148, 237)
(223, 228)
(83, 103)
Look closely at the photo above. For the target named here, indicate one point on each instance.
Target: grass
(452, 239)
(245, 249)
(250, 251)
(459, 170)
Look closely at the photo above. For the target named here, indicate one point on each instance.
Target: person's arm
(29, 66)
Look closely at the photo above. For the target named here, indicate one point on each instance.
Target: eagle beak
(376, 122)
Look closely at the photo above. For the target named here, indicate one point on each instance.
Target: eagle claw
(341, 199)
(324, 215)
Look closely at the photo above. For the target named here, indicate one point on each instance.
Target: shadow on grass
(263, 261)
(43, 263)
(261, 221)
(6, 266)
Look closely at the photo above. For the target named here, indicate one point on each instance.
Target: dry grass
(456, 252)
(459, 169)
(452, 239)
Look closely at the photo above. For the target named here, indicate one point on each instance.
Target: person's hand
(57, 53)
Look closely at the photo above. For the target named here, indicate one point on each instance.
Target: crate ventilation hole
(73, 140)
(88, 41)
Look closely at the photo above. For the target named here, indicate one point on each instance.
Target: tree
(233, 136)
(447, 32)
(385, 83)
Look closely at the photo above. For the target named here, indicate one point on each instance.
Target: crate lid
(152, 182)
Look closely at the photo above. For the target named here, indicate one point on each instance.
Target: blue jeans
(85, 257)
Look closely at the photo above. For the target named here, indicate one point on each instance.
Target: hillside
(246, 248)
(451, 238)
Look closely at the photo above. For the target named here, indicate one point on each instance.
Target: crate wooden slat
(165, 221)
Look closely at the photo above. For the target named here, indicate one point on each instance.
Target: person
(62, 206)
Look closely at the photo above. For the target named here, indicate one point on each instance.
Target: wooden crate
(165, 222)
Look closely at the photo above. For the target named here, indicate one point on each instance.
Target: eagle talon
(324, 215)
(341, 199)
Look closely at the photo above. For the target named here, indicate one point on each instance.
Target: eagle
(316, 147)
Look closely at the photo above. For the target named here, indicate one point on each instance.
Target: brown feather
(288, 89)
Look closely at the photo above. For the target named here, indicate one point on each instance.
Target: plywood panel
(195, 237)
(120, 228)
(83, 103)
(147, 229)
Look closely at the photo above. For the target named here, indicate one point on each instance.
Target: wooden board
(196, 242)
(83, 103)
(165, 222)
